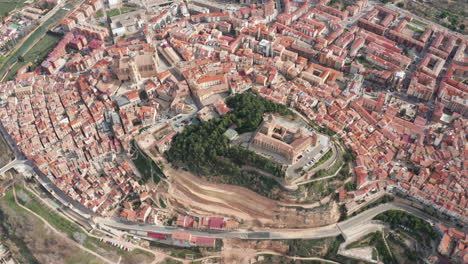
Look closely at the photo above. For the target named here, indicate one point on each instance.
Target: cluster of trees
(350, 186)
(414, 225)
(453, 19)
(349, 155)
(248, 110)
(203, 148)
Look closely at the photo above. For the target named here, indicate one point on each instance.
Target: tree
(402, 112)
(400, 4)
(350, 186)
(405, 51)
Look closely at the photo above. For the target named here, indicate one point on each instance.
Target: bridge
(17, 164)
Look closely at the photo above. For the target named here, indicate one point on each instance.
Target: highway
(332, 230)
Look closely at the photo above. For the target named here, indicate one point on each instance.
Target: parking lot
(308, 159)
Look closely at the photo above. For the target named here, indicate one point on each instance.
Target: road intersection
(332, 230)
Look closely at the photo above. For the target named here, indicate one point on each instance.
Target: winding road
(332, 230)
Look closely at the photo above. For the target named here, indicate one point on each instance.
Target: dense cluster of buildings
(76, 123)
(453, 244)
(17, 24)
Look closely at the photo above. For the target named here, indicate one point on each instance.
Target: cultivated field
(7, 5)
(36, 54)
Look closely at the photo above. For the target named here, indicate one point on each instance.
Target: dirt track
(206, 198)
(192, 195)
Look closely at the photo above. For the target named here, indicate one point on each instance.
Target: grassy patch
(415, 29)
(339, 163)
(99, 13)
(376, 240)
(6, 6)
(449, 14)
(35, 55)
(38, 33)
(252, 180)
(362, 60)
(324, 158)
(417, 22)
(363, 242)
(24, 251)
(350, 186)
(161, 202)
(26, 199)
(384, 199)
(120, 11)
(170, 261)
(178, 251)
(113, 12)
(309, 247)
(146, 166)
(127, 9)
(375, 254)
(319, 189)
(401, 251)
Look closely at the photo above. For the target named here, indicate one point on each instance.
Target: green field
(415, 29)
(38, 33)
(99, 13)
(324, 158)
(417, 22)
(36, 54)
(120, 11)
(146, 166)
(7, 5)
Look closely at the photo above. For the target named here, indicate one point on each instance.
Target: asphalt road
(304, 233)
(20, 160)
(11, 165)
